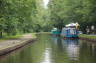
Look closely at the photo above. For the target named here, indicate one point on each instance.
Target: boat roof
(72, 24)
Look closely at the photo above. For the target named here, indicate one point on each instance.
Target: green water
(49, 49)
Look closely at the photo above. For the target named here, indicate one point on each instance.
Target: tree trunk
(0, 34)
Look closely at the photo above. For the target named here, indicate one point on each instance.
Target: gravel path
(13, 42)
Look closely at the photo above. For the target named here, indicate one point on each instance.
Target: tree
(67, 11)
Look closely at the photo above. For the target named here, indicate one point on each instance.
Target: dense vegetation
(21, 16)
(67, 11)
(24, 16)
(16, 16)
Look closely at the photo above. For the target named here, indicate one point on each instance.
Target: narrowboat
(70, 31)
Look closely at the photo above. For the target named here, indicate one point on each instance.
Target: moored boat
(70, 31)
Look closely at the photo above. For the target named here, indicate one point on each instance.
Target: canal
(49, 49)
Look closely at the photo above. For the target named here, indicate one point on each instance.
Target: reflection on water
(50, 49)
(47, 56)
(72, 48)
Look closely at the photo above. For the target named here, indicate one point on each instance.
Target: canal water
(49, 49)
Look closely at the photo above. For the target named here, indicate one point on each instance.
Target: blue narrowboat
(70, 31)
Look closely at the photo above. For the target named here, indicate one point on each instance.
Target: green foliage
(67, 11)
(17, 16)
(23, 16)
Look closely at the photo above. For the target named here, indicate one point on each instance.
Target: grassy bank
(87, 36)
(6, 37)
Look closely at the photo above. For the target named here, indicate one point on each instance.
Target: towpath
(14, 42)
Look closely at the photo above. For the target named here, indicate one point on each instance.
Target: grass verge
(87, 36)
(6, 37)
(10, 37)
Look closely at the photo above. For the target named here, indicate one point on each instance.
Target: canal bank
(91, 38)
(10, 45)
